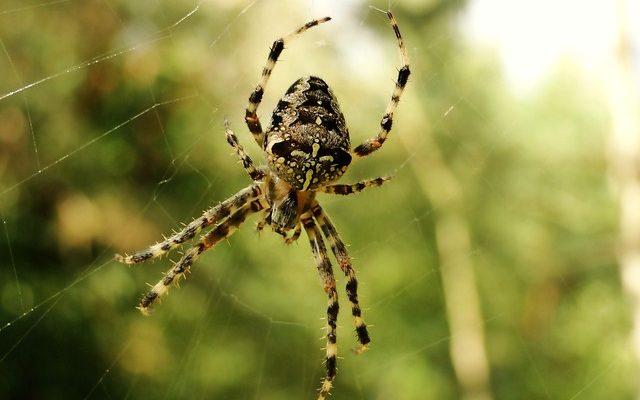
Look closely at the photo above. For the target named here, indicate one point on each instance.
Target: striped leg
(221, 231)
(326, 274)
(251, 117)
(209, 217)
(376, 142)
(247, 163)
(340, 252)
(354, 187)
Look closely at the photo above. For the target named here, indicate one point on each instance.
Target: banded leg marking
(251, 116)
(325, 270)
(209, 217)
(376, 142)
(221, 231)
(344, 190)
(247, 162)
(340, 251)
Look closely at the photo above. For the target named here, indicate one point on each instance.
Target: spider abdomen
(307, 144)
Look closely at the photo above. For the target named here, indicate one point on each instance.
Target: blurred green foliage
(121, 139)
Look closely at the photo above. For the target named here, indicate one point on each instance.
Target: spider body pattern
(307, 143)
(307, 148)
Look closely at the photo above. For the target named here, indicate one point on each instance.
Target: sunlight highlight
(533, 37)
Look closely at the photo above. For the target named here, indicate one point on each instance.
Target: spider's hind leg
(326, 274)
(340, 252)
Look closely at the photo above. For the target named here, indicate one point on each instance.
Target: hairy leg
(221, 231)
(326, 274)
(209, 217)
(340, 251)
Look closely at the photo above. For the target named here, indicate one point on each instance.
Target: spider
(307, 149)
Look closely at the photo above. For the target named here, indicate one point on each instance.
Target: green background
(121, 139)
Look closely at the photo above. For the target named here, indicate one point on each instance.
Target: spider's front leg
(251, 116)
(329, 282)
(376, 142)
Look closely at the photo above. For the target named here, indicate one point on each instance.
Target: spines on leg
(323, 264)
(340, 252)
(209, 217)
(221, 231)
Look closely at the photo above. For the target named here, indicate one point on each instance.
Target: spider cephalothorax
(307, 148)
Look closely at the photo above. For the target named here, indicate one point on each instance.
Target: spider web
(111, 116)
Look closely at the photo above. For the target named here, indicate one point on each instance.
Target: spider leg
(354, 187)
(221, 231)
(340, 251)
(247, 163)
(295, 235)
(376, 142)
(326, 274)
(209, 217)
(251, 117)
